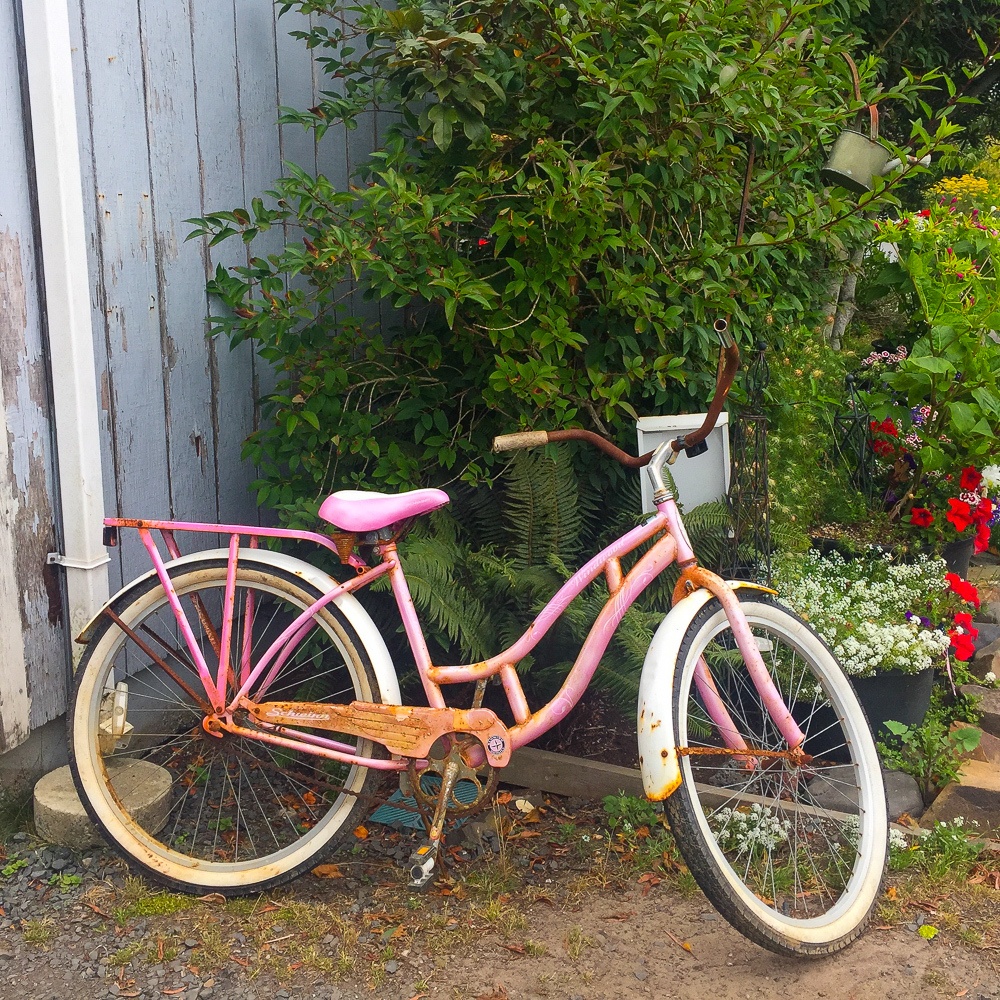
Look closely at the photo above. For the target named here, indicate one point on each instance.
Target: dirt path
(626, 952)
(563, 912)
(610, 945)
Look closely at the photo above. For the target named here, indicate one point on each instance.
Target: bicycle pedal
(422, 865)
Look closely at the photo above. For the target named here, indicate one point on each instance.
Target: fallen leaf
(361, 832)
(927, 931)
(213, 897)
(174, 991)
(686, 945)
(328, 871)
(503, 798)
(891, 892)
(525, 805)
(99, 911)
(239, 961)
(518, 949)
(961, 993)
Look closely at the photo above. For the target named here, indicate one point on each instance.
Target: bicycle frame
(672, 544)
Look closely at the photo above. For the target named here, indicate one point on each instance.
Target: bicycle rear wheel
(227, 813)
(792, 855)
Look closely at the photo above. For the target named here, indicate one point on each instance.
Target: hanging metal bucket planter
(856, 159)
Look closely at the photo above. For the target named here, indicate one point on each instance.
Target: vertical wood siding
(33, 668)
(178, 104)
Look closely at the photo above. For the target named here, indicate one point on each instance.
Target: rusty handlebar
(729, 361)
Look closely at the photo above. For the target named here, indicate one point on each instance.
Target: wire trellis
(748, 498)
(853, 441)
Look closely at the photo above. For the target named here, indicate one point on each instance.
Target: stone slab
(989, 707)
(975, 796)
(60, 818)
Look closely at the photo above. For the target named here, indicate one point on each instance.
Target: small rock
(190, 943)
(640, 974)
(19, 838)
(392, 967)
(709, 916)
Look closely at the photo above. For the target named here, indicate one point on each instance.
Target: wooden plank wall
(178, 102)
(33, 669)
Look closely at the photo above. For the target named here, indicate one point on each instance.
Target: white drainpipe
(67, 292)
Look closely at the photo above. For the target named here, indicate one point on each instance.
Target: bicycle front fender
(661, 773)
(353, 610)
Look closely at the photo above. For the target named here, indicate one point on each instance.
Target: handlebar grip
(524, 439)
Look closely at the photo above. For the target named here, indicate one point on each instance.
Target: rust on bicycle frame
(795, 755)
(406, 730)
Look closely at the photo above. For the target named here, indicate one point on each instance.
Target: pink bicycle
(248, 702)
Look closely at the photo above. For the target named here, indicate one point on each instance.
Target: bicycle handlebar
(728, 364)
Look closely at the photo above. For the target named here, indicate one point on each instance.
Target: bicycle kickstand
(423, 861)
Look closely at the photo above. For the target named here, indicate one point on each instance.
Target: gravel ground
(568, 915)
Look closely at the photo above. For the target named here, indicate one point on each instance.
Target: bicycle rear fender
(348, 604)
(661, 773)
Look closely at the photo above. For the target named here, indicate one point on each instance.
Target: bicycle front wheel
(793, 854)
(201, 812)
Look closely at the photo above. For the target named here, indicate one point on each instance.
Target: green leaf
(929, 363)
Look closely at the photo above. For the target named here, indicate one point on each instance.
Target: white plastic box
(698, 480)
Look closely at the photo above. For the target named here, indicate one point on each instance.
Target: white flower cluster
(991, 478)
(850, 830)
(860, 608)
(751, 832)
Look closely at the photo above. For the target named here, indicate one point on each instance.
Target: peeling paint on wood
(34, 669)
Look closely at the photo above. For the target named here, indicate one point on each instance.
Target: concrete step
(142, 787)
(975, 796)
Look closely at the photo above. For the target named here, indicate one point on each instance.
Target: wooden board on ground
(544, 771)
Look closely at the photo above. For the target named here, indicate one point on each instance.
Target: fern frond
(541, 508)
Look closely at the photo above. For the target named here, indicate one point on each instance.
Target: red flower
(960, 514)
(881, 447)
(964, 621)
(921, 517)
(971, 478)
(963, 588)
(983, 511)
(924, 213)
(963, 645)
(982, 540)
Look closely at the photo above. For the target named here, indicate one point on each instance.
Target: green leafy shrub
(936, 400)
(929, 752)
(554, 209)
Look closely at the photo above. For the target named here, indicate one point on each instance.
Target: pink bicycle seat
(364, 510)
